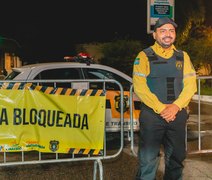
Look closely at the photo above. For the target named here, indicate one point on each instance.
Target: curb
(202, 98)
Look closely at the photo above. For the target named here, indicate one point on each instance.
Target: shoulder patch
(137, 61)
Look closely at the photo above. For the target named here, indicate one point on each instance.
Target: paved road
(197, 166)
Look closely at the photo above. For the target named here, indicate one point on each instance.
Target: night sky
(49, 30)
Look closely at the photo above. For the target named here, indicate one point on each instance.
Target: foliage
(199, 45)
(188, 19)
(120, 54)
(192, 35)
(205, 87)
(206, 91)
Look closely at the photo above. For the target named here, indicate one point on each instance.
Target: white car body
(91, 71)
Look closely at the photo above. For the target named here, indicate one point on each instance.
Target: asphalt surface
(124, 167)
(197, 167)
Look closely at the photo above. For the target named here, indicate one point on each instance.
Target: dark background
(50, 30)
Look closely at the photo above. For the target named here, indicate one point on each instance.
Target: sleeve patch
(137, 61)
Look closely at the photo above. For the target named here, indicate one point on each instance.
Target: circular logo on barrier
(118, 103)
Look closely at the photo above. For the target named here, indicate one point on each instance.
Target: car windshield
(91, 73)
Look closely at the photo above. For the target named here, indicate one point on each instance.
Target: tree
(190, 14)
(199, 46)
(193, 35)
(120, 54)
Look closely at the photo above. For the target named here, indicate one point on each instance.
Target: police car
(78, 71)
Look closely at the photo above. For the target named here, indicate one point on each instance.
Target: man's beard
(165, 45)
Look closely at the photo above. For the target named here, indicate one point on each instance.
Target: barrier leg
(100, 169)
(186, 137)
(94, 170)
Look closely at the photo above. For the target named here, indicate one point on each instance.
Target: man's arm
(189, 84)
(140, 72)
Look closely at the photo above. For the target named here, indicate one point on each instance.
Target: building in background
(9, 55)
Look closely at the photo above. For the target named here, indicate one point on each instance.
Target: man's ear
(153, 35)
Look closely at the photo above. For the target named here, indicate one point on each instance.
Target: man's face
(165, 35)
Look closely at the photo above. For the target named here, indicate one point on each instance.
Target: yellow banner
(50, 119)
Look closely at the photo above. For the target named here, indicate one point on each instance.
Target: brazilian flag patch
(137, 61)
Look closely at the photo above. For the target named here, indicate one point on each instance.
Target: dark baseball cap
(164, 20)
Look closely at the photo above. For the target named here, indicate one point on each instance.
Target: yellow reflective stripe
(189, 75)
(139, 74)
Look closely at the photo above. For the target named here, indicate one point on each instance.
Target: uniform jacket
(179, 71)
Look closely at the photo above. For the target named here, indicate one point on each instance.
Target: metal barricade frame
(97, 159)
(200, 150)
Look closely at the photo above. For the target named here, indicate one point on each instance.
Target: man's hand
(169, 113)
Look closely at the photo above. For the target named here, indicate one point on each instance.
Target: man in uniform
(165, 81)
